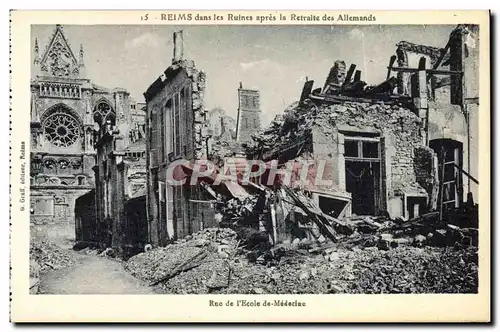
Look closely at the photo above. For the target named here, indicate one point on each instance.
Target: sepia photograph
(194, 160)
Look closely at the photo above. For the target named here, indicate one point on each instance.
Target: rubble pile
(49, 256)
(401, 270)
(220, 150)
(235, 209)
(425, 230)
(34, 276)
(218, 261)
(195, 264)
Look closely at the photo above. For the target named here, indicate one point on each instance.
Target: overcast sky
(273, 59)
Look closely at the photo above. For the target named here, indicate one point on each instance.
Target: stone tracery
(102, 113)
(61, 129)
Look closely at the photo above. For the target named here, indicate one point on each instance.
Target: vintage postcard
(250, 166)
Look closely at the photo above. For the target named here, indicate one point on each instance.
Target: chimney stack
(178, 46)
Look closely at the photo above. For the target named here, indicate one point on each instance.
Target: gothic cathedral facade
(66, 110)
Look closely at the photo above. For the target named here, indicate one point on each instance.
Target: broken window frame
(360, 141)
(360, 138)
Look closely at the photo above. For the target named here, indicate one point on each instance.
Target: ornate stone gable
(58, 59)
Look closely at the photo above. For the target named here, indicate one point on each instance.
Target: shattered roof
(295, 125)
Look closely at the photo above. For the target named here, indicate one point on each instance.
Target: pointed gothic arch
(103, 111)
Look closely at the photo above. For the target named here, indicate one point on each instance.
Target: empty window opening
(416, 206)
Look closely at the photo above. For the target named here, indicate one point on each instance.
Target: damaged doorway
(362, 173)
(450, 155)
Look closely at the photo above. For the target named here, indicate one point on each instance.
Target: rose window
(62, 130)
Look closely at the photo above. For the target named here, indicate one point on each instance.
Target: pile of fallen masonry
(298, 119)
(46, 256)
(218, 260)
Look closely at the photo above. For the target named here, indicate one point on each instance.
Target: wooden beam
(429, 71)
(349, 74)
(306, 90)
(391, 63)
(444, 72)
(441, 57)
(466, 174)
(441, 184)
(357, 76)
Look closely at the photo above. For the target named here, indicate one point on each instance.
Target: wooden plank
(349, 74)
(429, 71)
(357, 76)
(273, 220)
(441, 184)
(306, 90)
(466, 174)
(389, 69)
(441, 57)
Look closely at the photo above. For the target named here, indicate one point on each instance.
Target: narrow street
(92, 275)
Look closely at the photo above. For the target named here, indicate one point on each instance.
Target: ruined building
(114, 213)
(221, 126)
(403, 147)
(65, 108)
(447, 96)
(248, 120)
(176, 122)
(120, 206)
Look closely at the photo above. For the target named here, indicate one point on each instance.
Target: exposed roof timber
(441, 57)
(349, 74)
(431, 51)
(429, 71)
(391, 63)
(435, 53)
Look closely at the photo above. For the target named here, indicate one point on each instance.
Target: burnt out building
(177, 130)
(403, 147)
(446, 90)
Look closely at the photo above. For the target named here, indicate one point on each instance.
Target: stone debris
(211, 250)
(48, 256)
(291, 268)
